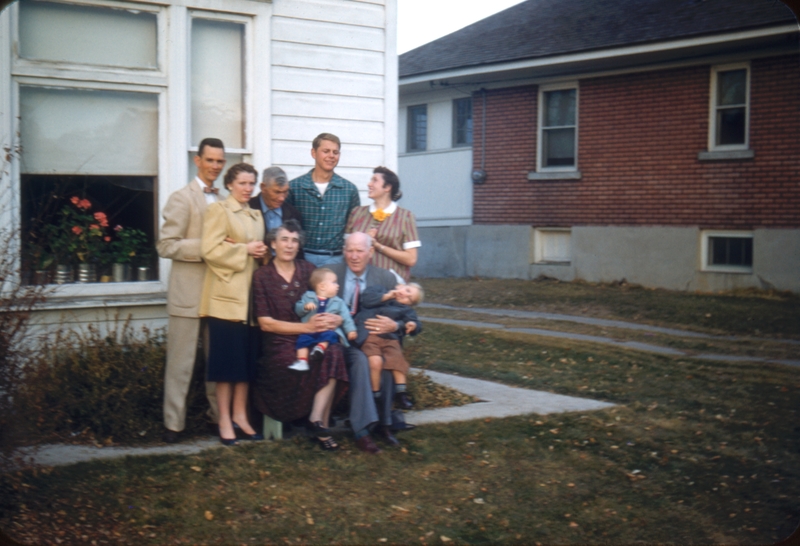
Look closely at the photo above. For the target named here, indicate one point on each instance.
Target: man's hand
(410, 327)
(310, 306)
(380, 325)
(329, 320)
(352, 335)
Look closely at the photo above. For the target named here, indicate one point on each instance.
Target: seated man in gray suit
(366, 408)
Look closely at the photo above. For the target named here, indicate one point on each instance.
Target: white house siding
(312, 66)
(436, 183)
(334, 70)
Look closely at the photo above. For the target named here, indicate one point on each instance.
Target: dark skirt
(232, 351)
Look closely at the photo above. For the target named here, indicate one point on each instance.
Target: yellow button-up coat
(226, 287)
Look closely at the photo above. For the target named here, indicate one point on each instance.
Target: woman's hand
(324, 321)
(256, 249)
(372, 232)
(380, 325)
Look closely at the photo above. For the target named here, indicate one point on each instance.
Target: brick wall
(638, 140)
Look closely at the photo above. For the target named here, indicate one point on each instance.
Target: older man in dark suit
(366, 407)
(272, 199)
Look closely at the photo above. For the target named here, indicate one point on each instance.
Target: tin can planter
(87, 273)
(63, 274)
(121, 272)
(41, 276)
(143, 273)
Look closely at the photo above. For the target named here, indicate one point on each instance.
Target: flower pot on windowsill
(64, 274)
(41, 277)
(121, 272)
(143, 273)
(87, 272)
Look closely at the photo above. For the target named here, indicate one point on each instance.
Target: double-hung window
(417, 140)
(462, 122)
(558, 128)
(729, 108)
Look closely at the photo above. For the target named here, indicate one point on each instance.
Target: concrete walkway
(637, 345)
(496, 401)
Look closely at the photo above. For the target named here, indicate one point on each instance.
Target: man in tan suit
(180, 242)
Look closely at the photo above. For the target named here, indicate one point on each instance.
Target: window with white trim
(558, 128)
(727, 251)
(462, 122)
(730, 107)
(417, 128)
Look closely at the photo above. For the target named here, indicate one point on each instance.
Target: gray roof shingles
(544, 28)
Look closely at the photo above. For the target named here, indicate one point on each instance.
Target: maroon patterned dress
(281, 393)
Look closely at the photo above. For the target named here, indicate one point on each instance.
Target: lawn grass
(694, 452)
(746, 312)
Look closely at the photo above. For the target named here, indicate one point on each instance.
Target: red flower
(84, 204)
(94, 226)
(107, 238)
(77, 230)
(75, 200)
(101, 217)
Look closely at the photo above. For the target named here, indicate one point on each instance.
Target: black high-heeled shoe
(229, 441)
(318, 430)
(242, 435)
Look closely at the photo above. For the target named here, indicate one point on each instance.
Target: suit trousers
(363, 409)
(182, 339)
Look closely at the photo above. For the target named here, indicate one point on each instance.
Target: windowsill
(727, 269)
(554, 175)
(437, 151)
(725, 155)
(101, 295)
(552, 263)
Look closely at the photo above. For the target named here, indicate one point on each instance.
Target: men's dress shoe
(366, 445)
(398, 427)
(386, 435)
(402, 401)
(170, 436)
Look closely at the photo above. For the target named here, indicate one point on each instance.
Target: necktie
(354, 307)
(211, 189)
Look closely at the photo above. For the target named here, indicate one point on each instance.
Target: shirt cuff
(411, 244)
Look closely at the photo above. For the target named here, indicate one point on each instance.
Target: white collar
(388, 210)
(201, 183)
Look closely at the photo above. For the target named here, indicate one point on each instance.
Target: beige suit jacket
(226, 289)
(180, 242)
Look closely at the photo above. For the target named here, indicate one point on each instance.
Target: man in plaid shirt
(324, 200)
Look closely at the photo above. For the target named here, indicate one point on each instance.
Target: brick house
(636, 139)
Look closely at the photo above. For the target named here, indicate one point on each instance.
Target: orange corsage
(380, 215)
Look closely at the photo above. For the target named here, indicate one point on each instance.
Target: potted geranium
(127, 245)
(79, 236)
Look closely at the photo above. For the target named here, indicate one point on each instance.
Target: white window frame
(168, 81)
(704, 244)
(539, 122)
(454, 118)
(247, 99)
(539, 234)
(87, 72)
(712, 109)
(408, 128)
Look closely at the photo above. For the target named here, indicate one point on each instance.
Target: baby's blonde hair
(317, 276)
(420, 291)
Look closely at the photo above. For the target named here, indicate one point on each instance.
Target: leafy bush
(107, 388)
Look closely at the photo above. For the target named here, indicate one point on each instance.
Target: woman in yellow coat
(233, 235)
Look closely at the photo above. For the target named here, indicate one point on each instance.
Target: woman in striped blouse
(392, 228)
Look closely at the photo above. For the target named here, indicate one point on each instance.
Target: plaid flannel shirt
(324, 216)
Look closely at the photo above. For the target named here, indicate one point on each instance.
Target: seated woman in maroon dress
(284, 394)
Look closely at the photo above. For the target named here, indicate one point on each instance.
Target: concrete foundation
(657, 257)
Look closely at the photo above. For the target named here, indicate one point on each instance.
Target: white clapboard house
(108, 99)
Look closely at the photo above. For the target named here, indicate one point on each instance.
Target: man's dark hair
(389, 177)
(234, 171)
(326, 136)
(211, 142)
